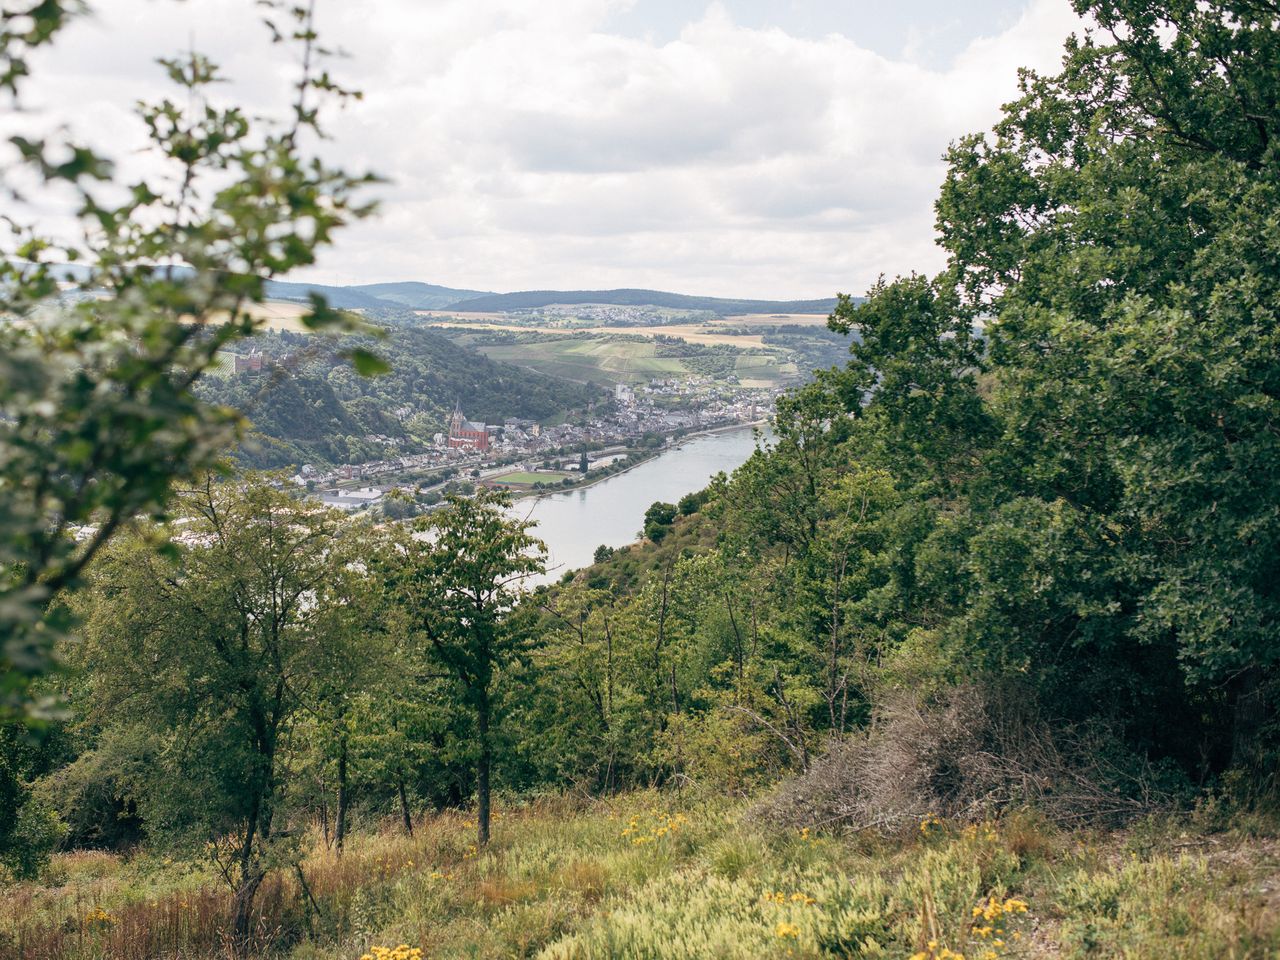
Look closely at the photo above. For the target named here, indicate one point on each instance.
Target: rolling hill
(532, 299)
(418, 296)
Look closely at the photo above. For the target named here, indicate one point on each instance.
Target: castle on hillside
(467, 433)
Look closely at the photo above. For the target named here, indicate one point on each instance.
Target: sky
(745, 148)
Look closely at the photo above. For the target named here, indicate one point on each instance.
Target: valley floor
(666, 876)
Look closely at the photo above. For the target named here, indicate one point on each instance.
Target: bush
(691, 503)
(968, 754)
(658, 520)
(35, 835)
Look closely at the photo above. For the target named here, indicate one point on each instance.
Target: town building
(250, 364)
(464, 433)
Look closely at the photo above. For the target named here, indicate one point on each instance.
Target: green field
(607, 361)
(527, 478)
(758, 367)
(604, 360)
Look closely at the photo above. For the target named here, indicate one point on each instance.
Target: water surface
(611, 512)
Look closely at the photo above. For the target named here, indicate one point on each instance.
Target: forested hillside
(309, 406)
(977, 656)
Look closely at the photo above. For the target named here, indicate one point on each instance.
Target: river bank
(610, 511)
(680, 441)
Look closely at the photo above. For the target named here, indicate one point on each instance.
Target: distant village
(481, 451)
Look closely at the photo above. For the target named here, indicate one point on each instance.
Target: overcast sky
(764, 148)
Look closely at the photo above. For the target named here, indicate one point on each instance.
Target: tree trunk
(324, 814)
(404, 805)
(1249, 712)
(482, 770)
(242, 916)
(340, 826)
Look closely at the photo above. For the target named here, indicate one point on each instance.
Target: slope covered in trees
(418, 296)
(308, 406)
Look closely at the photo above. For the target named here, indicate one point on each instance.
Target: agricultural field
(528, 478)
(738, 331)
(281, 315)
(776, 319)
(754, 370)
(276, 315)
(775, 349)
(604, 360)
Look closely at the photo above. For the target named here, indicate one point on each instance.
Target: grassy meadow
(529, 478)
(668, 875)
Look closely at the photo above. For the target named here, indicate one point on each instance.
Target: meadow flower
(98, 920)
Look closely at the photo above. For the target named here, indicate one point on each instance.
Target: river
(611, 512)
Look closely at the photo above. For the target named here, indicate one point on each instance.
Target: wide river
(611, 512)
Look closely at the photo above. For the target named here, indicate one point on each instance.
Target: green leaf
(367, 363)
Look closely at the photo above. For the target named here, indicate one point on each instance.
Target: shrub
(967, 754)
(36, 832)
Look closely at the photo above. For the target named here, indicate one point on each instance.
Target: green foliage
(1047, 468)
(215, 646)
(458, 581)
(1121, 228)
(29, 827)
(35, 834)
(1047, 472)
(658, 520)
(98, 416)
(691, 503)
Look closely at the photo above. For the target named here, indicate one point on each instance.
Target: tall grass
(674, 878)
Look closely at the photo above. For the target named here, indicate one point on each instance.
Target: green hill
(416, 295)
(532, 299)
(311, 407)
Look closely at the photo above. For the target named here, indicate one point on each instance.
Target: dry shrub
(967, 755)
(499, 891)
(183, 925)
(587, 878)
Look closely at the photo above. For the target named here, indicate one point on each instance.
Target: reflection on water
(611, 512)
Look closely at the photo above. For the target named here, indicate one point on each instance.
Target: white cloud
(529, 148)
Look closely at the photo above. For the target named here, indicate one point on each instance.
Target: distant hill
(532, 299)
(416, 295)
(409, 294)
(342, 298)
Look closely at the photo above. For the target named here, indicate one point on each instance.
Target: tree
(98, 415)
(459, 586)
(1082, 407)
(1120, 225)
(583, 463)
(658, 520)
(355, 658)
(213, 647)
